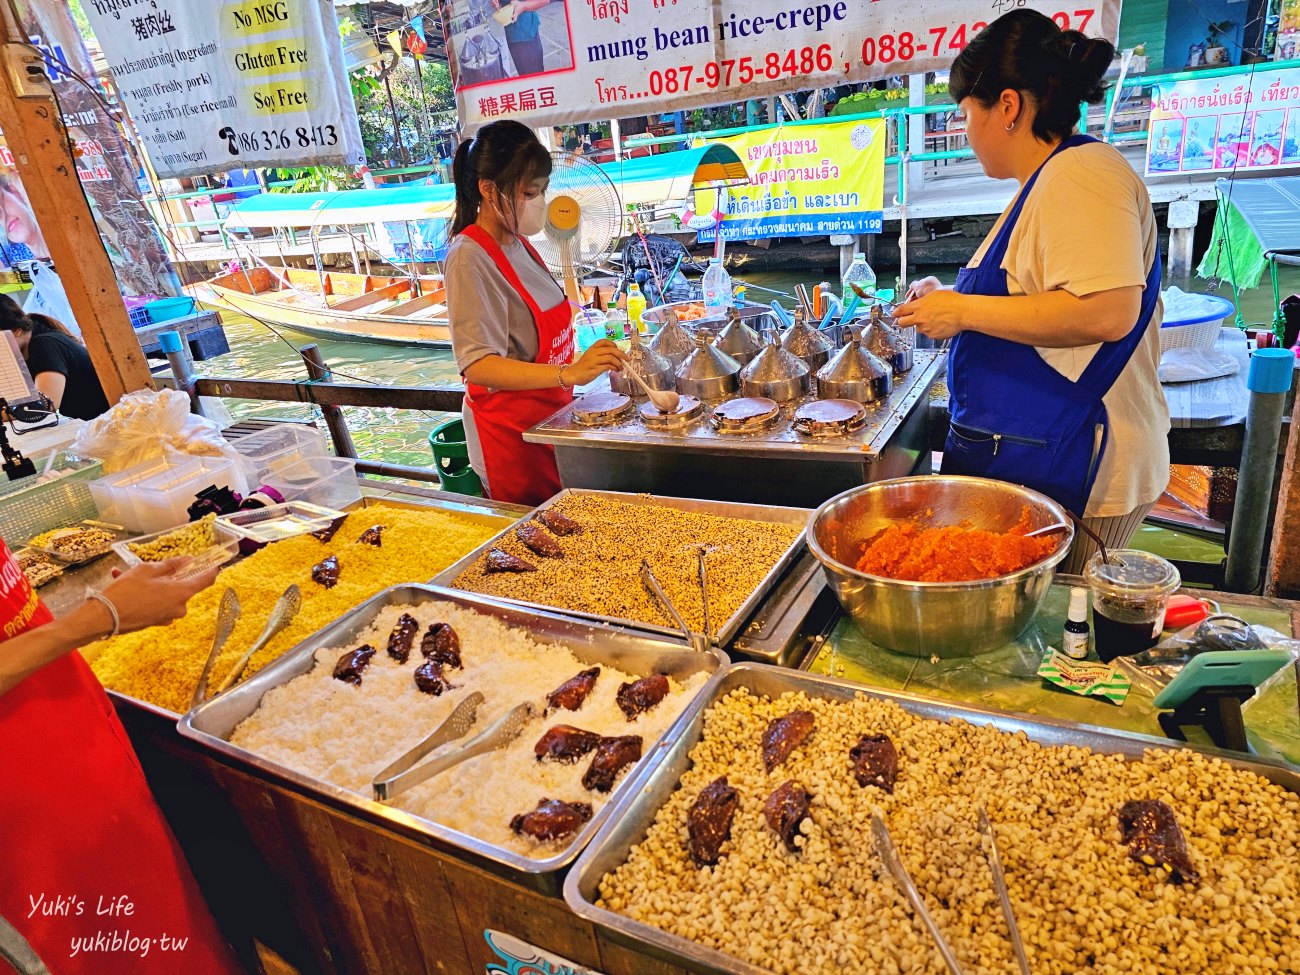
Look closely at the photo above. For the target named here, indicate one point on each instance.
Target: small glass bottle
(1077, 636)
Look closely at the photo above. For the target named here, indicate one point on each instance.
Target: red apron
(90, 874)
(519, 472)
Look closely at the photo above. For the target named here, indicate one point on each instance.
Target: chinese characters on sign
(234, 84)
(552, 64)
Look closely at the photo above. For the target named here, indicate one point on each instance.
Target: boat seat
(389, 293)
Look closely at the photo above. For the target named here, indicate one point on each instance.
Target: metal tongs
(404, 774)
(1000, 885)
(282, 614)
(227, 617)
(894, 864)
(698, 641)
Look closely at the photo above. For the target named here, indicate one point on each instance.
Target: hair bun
(1087, 60)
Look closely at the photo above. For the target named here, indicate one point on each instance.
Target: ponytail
(507, 154)
(44, 323)
(1027, 52)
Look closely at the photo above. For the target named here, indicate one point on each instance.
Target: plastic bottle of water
(635, 306)
(717, 285)
(616, 321)
(859, 273)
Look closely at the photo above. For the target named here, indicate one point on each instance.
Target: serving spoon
(664, 400)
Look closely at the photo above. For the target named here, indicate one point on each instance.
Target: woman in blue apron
(1055, 323)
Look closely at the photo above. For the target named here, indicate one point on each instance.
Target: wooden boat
(408, 311)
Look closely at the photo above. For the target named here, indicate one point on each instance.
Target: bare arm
(148, 595)
(53, 385)
(1053, 319)
(500, 372)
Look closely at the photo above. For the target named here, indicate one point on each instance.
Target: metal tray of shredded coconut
(640, 801)
(725, 630)
(213, 723)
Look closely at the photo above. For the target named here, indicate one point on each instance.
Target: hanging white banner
(578, 60)
(231, 84)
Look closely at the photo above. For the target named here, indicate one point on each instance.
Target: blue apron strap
(1109, 361)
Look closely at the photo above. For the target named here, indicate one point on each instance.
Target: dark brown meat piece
(552, 819)
(572, 694)
(612, 756)
(709, 821)
(784, 735)
(326, 572)
(565, 743)
(429, 678)
(499, 560)
(640, 696)
(784, 810)
(875, 762)
(1154, 838)
(539, 540)
(441, 644)
(559, 523)
(353, 664)
(374, 535)
(403, 635)
(326, 534)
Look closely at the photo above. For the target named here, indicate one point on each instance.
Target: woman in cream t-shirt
(1056, 321)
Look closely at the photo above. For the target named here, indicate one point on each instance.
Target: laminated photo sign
(231, 84)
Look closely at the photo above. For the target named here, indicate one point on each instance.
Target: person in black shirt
(59, 364)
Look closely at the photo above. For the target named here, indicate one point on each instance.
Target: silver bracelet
(559, 376)
(112, 610)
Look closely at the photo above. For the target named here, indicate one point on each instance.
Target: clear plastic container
(717, 285)
(157, 494)
(280, 521)
(278, 446)
(859, 273)
(588, 328)
(1130, 594)
(327, 481)
(223, 548)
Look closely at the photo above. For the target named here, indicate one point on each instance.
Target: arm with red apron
(92, 877)
(517, 471)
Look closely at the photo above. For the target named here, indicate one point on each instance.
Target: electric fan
(584, 220)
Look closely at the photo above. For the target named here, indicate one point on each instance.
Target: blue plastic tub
(169, 309)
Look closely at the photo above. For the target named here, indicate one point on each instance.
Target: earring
(1010, 127)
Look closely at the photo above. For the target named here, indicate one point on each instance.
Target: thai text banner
(578, 60)
(1246, 121)
(231, 84)
(804, 181)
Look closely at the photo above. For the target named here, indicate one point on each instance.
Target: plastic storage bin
(268, 450)
(330, 482)
(157, 494)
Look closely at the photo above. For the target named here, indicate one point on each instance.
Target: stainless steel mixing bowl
(947, 619)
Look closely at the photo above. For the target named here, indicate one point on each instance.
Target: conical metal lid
(646, 361)
(774, 364)
(738, 340)
(804, 341)
(706, 363)
(853, 364)
(673, 342)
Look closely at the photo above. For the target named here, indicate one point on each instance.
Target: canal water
(399, 436)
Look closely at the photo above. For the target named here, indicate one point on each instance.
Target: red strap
(481, 237)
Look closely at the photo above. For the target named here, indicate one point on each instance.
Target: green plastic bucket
(451, 455)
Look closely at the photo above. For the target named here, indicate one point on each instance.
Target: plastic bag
(147, 424)
(49, 298)
(1156, 667)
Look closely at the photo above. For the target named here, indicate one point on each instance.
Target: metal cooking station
(775, 465)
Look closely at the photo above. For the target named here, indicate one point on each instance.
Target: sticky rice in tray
(344, 733)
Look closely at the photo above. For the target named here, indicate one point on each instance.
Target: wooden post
(36, 137)
(1284, 561)
(338, 427)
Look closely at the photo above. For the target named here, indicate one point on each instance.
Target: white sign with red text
(579, 60)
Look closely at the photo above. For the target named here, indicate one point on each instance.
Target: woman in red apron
(92, 878)
(511, 324)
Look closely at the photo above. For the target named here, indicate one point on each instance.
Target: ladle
(664, 400)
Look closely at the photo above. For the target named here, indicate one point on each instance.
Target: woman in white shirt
(1056, 320)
